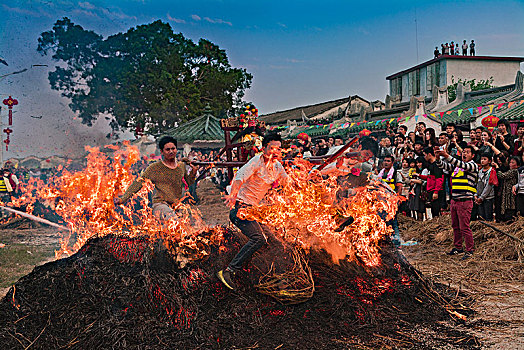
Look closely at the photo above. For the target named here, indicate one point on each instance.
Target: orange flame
(308, 212)
(84, 200)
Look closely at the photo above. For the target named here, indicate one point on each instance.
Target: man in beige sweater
(167, 175)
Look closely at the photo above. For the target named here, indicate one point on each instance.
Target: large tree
(148, 76)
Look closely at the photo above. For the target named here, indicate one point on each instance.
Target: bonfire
(123, 278)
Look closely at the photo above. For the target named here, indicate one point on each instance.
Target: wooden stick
(34, 218)
(500, 231)
(338, 153)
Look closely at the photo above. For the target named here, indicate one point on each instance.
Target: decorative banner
(470, 111)
(425, 115)
(449, 112)
(352, 125)
(479, 109)
(398, 120)
(433, 115)
(391, 120)
(510, 104)
(416, 118)
(459, 112)
(441, 115)
(378, 121)
(407, 118)
(499, 106)
(491, 108)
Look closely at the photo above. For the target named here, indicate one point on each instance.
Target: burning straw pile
(119, 292)
(133, 282)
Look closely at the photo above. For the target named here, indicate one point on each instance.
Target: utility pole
(416, 32)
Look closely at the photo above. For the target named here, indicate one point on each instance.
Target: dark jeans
(194, 198)
(393, 223)
(520, 204)
(253, 231)
(436, 204)
(486, 210)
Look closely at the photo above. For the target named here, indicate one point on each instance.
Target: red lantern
(10, 102)
(303, 136)
(8, 131)
(490, 122)
(364, 132)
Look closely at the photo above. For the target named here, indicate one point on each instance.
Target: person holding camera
(464, 174)
(503, 139)
(434, 182)
(417, 197)
(518, 148)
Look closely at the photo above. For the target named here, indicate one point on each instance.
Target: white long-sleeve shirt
(257, 177)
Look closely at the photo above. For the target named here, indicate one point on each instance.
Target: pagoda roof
(204, 128)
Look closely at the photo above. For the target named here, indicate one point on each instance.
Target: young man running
(248, 188)
(167, 176)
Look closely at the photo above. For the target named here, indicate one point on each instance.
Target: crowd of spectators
(453, 49)
(476, 174)
(498, 153)
(482, 178)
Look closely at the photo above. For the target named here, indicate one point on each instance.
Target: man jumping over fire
(248, 188)
(167, 176)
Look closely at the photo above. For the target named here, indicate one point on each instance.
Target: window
(396, 87)
(414, 83)
(417, 82)
(430, 77)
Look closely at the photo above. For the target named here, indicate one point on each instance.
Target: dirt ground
(498, 300)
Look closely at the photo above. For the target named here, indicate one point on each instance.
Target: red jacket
(434, 184)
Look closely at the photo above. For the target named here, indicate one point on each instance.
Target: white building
(446, 70)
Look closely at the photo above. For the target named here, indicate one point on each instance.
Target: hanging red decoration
(10, 102)
(8, 131)
(490, 122)
(364, 132)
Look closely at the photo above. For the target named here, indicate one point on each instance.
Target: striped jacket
(463, 177)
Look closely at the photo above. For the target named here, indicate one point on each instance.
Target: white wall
(503, 72)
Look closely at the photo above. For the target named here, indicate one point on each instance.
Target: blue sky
(299, 52)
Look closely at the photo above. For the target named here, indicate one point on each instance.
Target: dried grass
(291, 287)
(497, 257)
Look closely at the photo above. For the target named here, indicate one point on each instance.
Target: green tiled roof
(514, 113)
(312, 131)
(206, 128)
(466, 115)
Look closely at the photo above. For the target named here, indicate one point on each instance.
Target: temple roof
(515, 113)
(204, 128)
(474, 99)
(296, 113)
